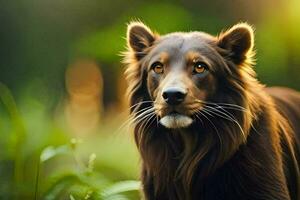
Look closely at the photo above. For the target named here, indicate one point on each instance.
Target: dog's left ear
(139, 38)
(238, 41)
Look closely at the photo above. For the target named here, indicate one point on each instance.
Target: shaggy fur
(250, 151)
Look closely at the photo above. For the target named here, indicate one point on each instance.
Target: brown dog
(205, 127)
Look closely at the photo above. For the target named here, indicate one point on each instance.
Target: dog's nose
(173, 96)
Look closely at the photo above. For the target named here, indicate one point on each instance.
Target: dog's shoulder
(287, 102)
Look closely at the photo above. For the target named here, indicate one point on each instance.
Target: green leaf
(71, 197)
(51, 151)
(117, 197)
(60, 186)
(119, 187)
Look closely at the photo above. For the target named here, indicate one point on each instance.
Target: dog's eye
(158, 67)
(199, 67)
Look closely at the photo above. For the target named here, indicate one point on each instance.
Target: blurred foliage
(51, 165)
(95, 44)
(40, 156)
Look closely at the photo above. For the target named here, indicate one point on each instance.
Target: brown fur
(255, 158)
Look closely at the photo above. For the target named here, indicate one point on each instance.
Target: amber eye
(157, 67)
(199, 67)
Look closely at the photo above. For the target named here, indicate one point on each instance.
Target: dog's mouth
(175, 120)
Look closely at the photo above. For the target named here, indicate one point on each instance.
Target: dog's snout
(174, 96)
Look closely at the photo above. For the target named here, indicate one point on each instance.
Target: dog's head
(181, 72)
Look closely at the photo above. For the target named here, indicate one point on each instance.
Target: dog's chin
(176, 120)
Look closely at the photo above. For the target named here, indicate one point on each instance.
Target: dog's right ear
(139, 38)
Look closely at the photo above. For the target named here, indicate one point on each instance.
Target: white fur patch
(176, 121)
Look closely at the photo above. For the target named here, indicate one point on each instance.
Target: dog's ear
(238, 41)
(139, 38)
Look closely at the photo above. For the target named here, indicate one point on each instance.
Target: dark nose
(174, 96)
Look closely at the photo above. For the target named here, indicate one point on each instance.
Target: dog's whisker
(212, 112)
(140, 112)
(137, 114)
(221, 104)
(228, 118)
(203, 114)
(234, 120)
(203, 110)
(233, 108)
(147, 114)
(142, 125)
(148, 122)
(128, 109)
(214, 127)
(223, 110)
(139, 103)
(144, 119)
(199, 119)
(134, 117)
